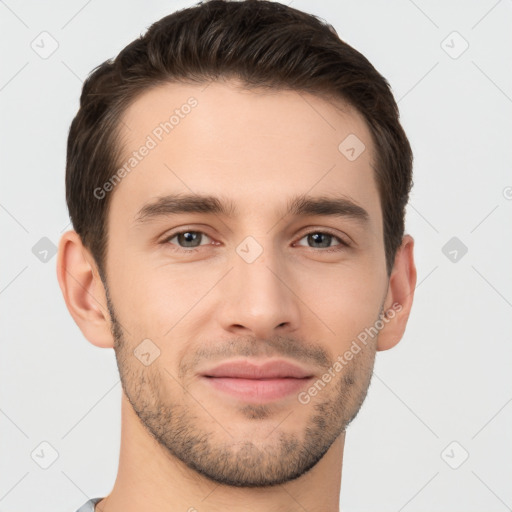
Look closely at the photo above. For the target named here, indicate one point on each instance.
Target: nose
(258, 299)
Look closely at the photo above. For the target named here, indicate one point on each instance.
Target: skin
(184, 445)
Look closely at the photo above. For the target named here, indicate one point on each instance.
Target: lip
(257, 383)
(270, 369)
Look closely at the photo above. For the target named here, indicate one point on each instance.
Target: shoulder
(89, 506)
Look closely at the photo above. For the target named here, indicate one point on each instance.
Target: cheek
(346, 301)
(156, 303)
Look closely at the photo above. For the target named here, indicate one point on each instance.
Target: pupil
(316, 238)
(189, 236)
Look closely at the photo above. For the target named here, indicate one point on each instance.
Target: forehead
(257, 147)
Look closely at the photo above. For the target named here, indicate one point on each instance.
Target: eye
(323, 239)
(187, 240)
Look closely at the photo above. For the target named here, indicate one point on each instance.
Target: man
(237, 181)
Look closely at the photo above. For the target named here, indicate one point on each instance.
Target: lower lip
(258, 390)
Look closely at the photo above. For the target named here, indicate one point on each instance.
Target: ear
(397, 305)
(83, 290)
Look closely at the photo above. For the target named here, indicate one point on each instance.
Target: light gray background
(447, 380)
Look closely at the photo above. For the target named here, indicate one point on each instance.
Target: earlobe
(83, 290)
(399, 299)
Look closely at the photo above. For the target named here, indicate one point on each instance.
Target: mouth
(257, 383)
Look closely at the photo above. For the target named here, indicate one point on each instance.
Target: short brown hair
(260, 43)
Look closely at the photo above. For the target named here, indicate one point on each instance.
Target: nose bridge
(256, 294)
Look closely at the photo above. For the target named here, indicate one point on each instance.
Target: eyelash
(342, 244)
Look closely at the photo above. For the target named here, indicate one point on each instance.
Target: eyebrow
(299, 206)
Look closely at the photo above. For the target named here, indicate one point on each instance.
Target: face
(229, 312)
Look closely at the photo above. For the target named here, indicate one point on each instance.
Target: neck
(151, 479)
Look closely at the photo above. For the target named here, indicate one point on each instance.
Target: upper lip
(245, 369)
